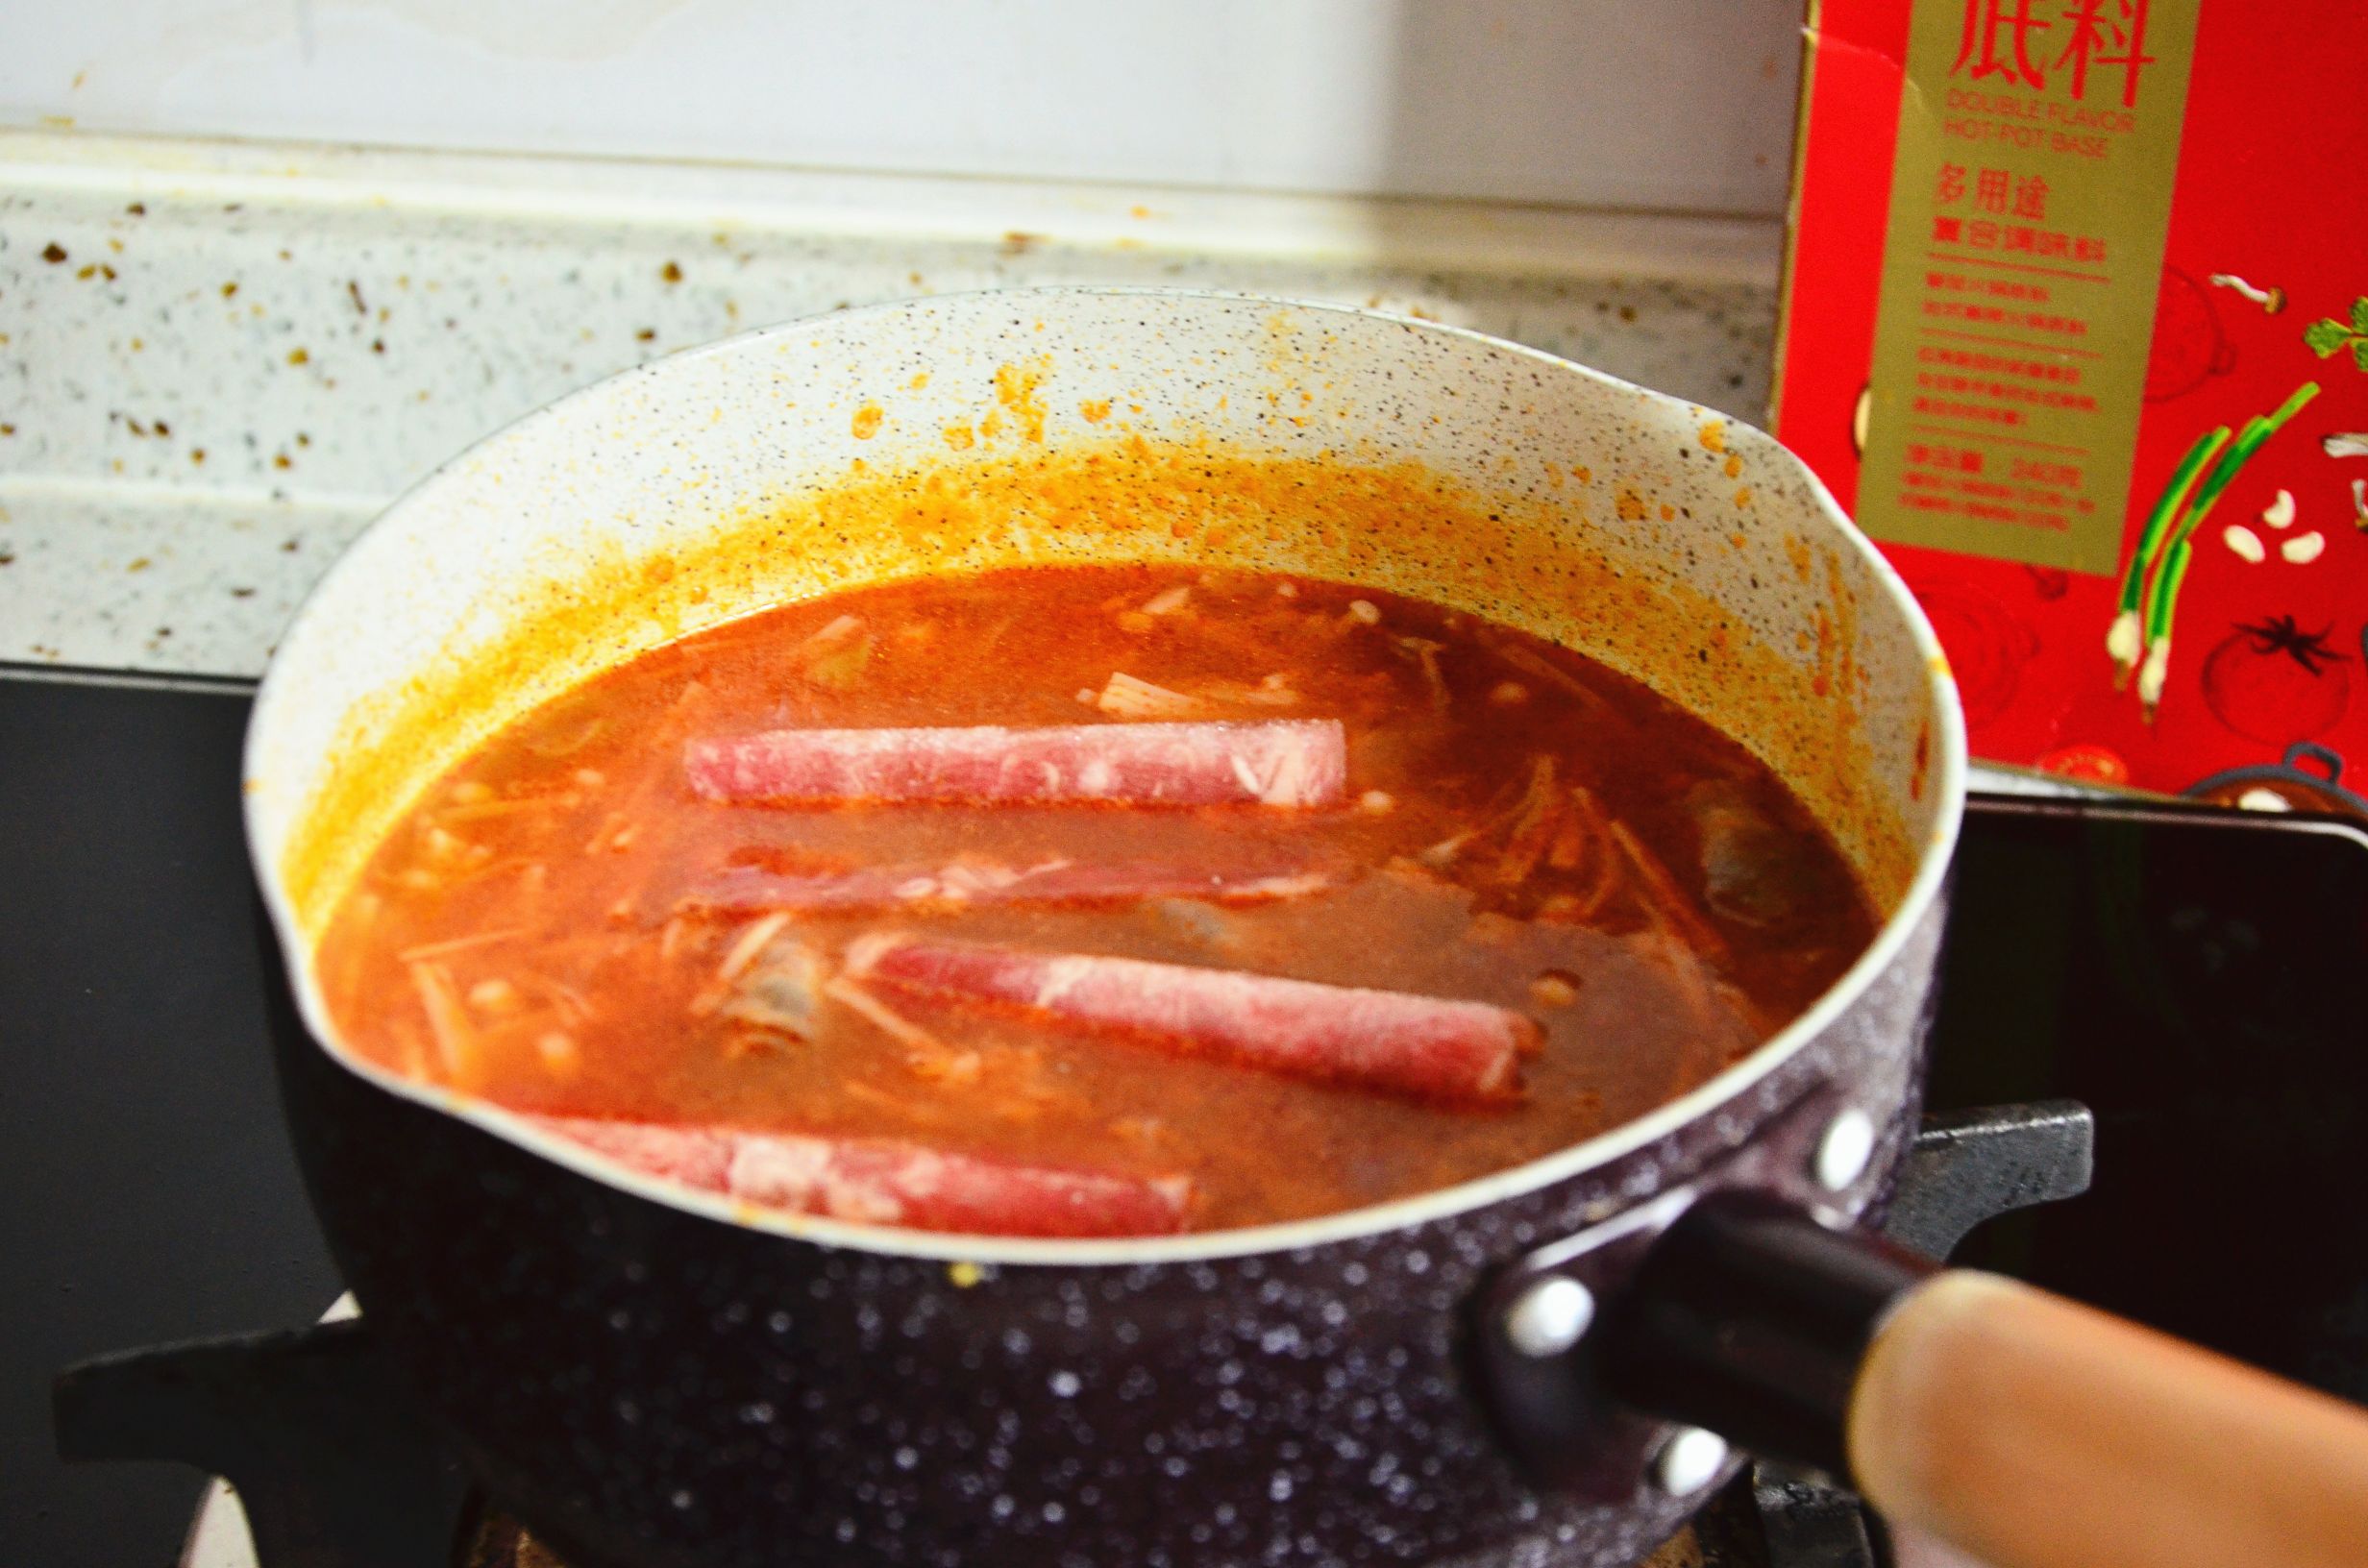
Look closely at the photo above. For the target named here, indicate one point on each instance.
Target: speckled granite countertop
(217, 362)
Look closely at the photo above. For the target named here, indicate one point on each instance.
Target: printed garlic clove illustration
(2359, 503)
(2124, 642)
(1862, 414)
(2149, 679)
(2271, 300)
(2243, 543)
(2280, 513)
(2345, 443)
(2303, 549)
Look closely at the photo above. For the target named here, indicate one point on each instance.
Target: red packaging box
(2076, 325)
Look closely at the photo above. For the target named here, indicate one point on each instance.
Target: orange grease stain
(867, 420)
(1016, 389)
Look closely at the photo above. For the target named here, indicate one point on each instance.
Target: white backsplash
(239, 353)
(1661, 105)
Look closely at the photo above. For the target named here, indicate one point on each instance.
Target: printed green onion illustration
(2126, 641)
(2140, 635)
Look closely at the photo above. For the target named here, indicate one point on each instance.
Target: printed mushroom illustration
(2271, 300)
(2351, 443)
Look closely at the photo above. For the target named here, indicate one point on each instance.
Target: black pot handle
(335, 1465)
(2319, 754)
(2027, 1431)
(1749, 1318)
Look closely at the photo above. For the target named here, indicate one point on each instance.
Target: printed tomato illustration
(2272, 681)
(2189, 344)
(1988, 643)
(2090, 764)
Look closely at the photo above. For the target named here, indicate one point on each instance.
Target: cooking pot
(2308, 777)
(1549, 1365)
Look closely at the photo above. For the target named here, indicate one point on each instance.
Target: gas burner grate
(337, 1469)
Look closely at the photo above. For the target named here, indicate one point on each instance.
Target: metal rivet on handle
(1550, 1316)
(1846, 1150)
(1689, 1462)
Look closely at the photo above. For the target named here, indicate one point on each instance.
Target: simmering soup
(1092, 901)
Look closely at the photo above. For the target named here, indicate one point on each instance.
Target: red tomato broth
(542, 896)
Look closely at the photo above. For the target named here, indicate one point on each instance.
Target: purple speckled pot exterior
(650, 1377)
(656, 1389)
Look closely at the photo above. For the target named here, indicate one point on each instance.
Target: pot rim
(1946, 778)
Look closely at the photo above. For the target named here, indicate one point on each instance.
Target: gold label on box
(2031, 193)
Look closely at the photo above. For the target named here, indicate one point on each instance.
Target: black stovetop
(2200, 983)
(146, 1192)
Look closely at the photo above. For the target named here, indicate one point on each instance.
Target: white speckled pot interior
(972, 431)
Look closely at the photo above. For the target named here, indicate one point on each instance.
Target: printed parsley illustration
(2327, 336)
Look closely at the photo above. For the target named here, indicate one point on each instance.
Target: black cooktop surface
(2200, 983)
(146, 1192)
